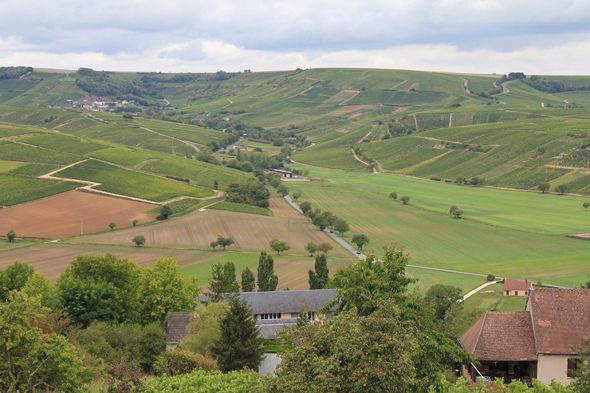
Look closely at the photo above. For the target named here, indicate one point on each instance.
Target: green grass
(182, 206)
(18, 189)
(125, 182)
(62, 143)
(7, 166)
(33, 170)
(241, 261)
(24, 153)
(493, 297)
(428, 278)
(241, 208)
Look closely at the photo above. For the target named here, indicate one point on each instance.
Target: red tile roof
(561, 318)
(511, 284)
(501, 336)
(177, 324)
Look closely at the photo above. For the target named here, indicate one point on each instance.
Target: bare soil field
(59, 216)
(280, 208)
(197, 230)
(52, 259)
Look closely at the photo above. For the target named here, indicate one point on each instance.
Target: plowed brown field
(59, 216)
(280, 208)
(250, 232)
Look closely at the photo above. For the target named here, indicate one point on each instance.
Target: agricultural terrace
(434, 238)
(62, 215)
(197, 230)
(125, 182)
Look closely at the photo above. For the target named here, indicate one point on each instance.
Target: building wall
(553, 367)
(269, 364)
(515, 293)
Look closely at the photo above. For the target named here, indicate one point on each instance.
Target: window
(270, 316)
(572, 366)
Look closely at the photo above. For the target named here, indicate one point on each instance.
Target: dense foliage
(251, 193)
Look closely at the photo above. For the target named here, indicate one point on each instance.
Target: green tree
(305, 207)
(311, 248)
(248, 280)
(164, 288)
(139, 240)
(14, 278)
(112, 225)
(11, 236)
(586, 205)
(393, 195)
(582, 372)
(319, 277)
(325, 247)
(33, 359)
(278, 246)
(461, 180)
(405, 199)
(165, 211)
(204, 329)
(213, 244)
(283, 190)
(224, 241)
(246, 166)
(296, 196)
(562, 189)
(223, 280)
(267, 279)
(544, 186)
(453, 209)
(134, 223)
(278, 142)
(458, 213)
(215, 184)
(341, 226)
(275, 182)
(442, 297)
(239, 345)
(360, 240)
(320, 222)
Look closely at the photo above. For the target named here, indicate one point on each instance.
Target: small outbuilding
(282, 173)
(513, 287)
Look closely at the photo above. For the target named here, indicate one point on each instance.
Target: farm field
(241, 208)
(492, 297)
(59, 216)
(15, 189)
(197, 230)
(438, 240)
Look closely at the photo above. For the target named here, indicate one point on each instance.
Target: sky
(470, 36)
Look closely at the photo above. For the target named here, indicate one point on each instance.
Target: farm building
(272, 310)
(514, 287)
(281, 172)
(536, 343)
(243, 148)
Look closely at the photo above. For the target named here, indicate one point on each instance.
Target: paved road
(229, 146)
(344, 244)
(293, 203)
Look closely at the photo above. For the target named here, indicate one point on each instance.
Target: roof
(279, 170)
(561, 318)
(284, 301)
(501, 336)
(270, 327)
(177, 323)
(511, 284)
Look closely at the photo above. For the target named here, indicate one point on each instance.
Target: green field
(493, 297)
(18, 189)
(182, 206)
(241, 208)
(134, 184)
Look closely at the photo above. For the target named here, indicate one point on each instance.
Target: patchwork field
(59, 216)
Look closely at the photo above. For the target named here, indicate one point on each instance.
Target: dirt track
(59, 216)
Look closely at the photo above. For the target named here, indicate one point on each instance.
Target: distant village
(99, 104)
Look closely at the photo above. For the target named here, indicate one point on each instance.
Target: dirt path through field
(357, 158)
(427, 161)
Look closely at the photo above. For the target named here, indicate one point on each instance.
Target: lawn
(125, 182)
(492, 297)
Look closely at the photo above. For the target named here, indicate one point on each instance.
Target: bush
(491, 277)
(180, 362)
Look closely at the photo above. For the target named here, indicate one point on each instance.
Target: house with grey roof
(539, 342)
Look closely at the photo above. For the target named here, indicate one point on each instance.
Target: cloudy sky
(533, 36)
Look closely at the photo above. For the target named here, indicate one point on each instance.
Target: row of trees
(405, 199)
(324, 219)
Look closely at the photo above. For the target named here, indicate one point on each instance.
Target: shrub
(491, 277)
(180, 362)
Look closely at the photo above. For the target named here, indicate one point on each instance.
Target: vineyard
(18, 189)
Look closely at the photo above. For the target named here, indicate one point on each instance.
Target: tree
(360, 240)
(223, 280)
(461, 180)
(582, 372)
(296, 196)
(458, 213)
(11, 236)
(164, 288)
(224, 241)
(33, 359)
(248, 280)
(325, 247)
(393, 195)
(320, 222)
(311, 248)
(139, 240)
(165, 211)
(112, 225)
(283, 190)
(341, 226)
(204, 328)
(544, 186)
(239, 345)
(453, 209)
(586, 205)
(305, 207)
(134, 223)
(562, 189)
(442, 297)
(215, 184)
(319, 277)
(267, 280)
(278, 246)
(213, 244)
(275, 182)
(405, 199)
(14, 278)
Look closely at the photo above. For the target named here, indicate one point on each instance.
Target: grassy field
(242, 208)
(18, 189)
(125, 182)
(182, 206)
(493, 297)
